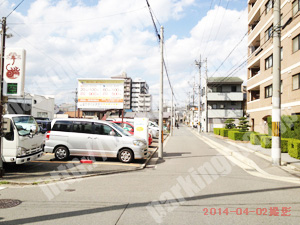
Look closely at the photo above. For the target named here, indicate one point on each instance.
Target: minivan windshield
(24, 124)
(120, 129)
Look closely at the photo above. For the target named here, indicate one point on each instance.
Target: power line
(15, 8)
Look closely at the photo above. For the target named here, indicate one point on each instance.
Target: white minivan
(98, 138)
(24, 142)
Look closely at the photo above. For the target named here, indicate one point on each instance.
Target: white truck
(23, 141)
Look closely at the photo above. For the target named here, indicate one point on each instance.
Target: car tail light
(47, 135)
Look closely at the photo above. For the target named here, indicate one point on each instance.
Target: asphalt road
(194, 184)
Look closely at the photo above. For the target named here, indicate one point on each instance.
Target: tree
(229, 124)
(243, 124)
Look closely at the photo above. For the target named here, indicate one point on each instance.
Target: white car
(153, 129)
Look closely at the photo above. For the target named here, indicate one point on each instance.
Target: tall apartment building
(127, 89)
(260, 60)
(224, 101)
(139, 87)
(145, 101)
(136, 94)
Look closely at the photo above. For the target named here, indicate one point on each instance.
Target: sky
(69, 39)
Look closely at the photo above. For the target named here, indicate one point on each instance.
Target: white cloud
(67, 40)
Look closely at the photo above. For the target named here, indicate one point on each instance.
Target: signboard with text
(100, 94)
(14, 72)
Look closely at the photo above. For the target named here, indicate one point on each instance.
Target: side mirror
(33, 129)
(112, 133)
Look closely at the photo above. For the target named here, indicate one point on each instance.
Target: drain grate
(9, 203)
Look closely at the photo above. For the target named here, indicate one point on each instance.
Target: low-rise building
(224, 100)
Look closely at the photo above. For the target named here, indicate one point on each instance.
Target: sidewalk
(253, 155)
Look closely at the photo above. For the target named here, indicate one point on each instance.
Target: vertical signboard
(141, 128)
(14, 72)
(100, 94)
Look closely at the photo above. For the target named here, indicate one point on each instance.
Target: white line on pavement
(1, 188)
(244, 162)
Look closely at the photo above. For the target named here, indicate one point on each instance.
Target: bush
(217, 131)
(239, 136)
(294, 148)
(255, 138)
(224, 132)
(266, 141)
(285, 144)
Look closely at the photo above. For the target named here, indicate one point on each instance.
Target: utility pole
(1, 94)
(199, 95)
(76, 100)
(276, 98)
(171, 125)
(161, 135)
(206, 102)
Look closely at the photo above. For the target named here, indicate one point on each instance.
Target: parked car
(86, 137)
(153, 129)
(130, 128)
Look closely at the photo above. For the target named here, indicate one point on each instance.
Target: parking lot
(47, 169)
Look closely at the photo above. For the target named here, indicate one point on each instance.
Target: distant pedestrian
(177, 125)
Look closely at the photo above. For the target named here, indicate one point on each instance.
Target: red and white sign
(14, 72)
(100, 94)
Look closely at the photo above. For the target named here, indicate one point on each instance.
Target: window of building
(214, 106)
(268, 91)
(296, 7)
(233, 88)
(296, 81)
(269, 6)
(233, 103)
(296, 43)
(222, 106)
(268, 33)
(269, 62)
(42, 114)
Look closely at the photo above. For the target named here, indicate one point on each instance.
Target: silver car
(85, 137)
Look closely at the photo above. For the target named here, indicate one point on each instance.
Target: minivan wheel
(61, 153)
(126, 156)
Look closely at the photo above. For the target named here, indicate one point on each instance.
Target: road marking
(1, 188)
(246, 164)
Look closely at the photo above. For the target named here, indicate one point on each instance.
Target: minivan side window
(62, 126)
(102, 129)
(82, 127)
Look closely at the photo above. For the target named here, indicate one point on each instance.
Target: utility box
(141, 128)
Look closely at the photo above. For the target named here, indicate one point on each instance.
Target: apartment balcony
(225, 96)
(142, 104)
(225, 113)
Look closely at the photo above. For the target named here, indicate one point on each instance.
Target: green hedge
(266, 142)
(239, 136)
(217, 131)
(256, 137)
(224, 132)
(294, 148)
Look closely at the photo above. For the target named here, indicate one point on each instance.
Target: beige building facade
(260, 61)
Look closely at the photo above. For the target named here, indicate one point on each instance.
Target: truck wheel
(126, 156)
(61, 153)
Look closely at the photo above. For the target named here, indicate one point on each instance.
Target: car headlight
(21, 151)
(138, 143)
